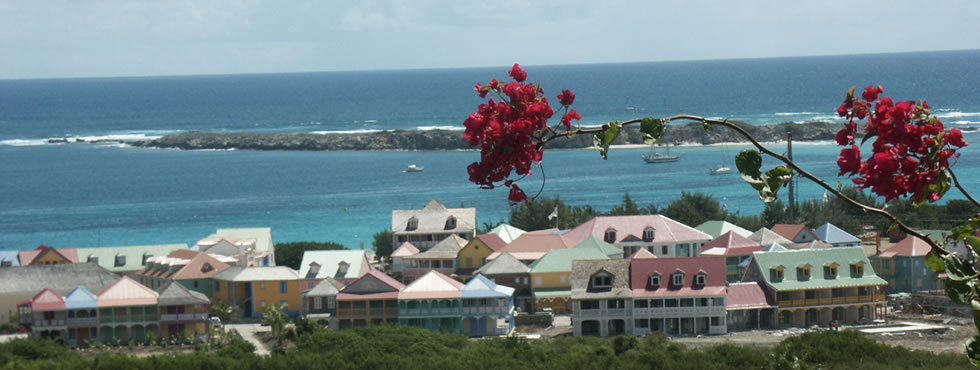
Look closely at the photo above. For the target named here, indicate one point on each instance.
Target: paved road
(248, 333)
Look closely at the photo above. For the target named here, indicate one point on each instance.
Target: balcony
(432, 312)
(503, 310)
(48, 323)
(82, 321)
(680, 311)
(365, 312)
(200, 316)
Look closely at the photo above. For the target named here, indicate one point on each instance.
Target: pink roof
(127, 292)
(536, 243)
(788, 231)
(666, 229)
(381, 276)
(48, 300)
(27, 257)
(642, 253)
(432, 285)
(743, 296)
(743, 251)
(405, 250)
(493, 241)
(712, 266)
(908, 247)
(361, 297)
(731, 239)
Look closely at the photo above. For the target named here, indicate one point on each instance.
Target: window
(262, 304)
(687, 302)
(207, 267)
(469, 260)
(857, 269)
(702, 302)
(217, 286)
(640, 303)
(284, 304)
(331, 303)
(450, 223)
(656, 303)
(262, 285)
(649, 234)
(413, 223)
(776, 273)
(616, 304)
(804, 272)
(678, 278)
(283, 287)
(610, 236)
(602, 281)
(671, 302)
(317, 303)
(120, 261)
(715, 321)
(589, 305)
(655, 280)
(6, 263)
(146, 257)
(641, 323)
(537, 281)
(700, 278)
(195, 284)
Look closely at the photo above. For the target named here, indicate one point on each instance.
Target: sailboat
(658, 157)
(722, 169)
(414, 167)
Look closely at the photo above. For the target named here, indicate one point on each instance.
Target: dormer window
(342, 268)
(146, 256)
(610, 236)
(857, 269)
(776, 273)
(602, 280)
(207, 267)
(93, 259)
(678, 278)
(701, 279)
(450, 223)
(413, 224)
(120, 261)
(803, 272)
(649, 234)
(830, 271)
(655, 280)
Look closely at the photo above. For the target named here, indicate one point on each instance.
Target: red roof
(743, 296)
(731, 240)
(665, 229)
(48, 300)
(712, 266)
(28, 257)
(493, 241)
(381, 276)
(197, 268)
(908, 247)
(788, 231)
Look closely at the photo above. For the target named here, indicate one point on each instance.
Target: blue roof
(481, 287)
(774, 247)
(11, 256)
(80, 298)
(834, 235)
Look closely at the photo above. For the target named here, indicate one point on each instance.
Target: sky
(108, 38)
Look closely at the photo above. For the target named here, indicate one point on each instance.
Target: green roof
(817, 258)
(597, 244)
(717, 228)
(117, 259)
(560, 260)
(938, 236)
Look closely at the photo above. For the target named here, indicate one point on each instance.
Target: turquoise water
(82, 195)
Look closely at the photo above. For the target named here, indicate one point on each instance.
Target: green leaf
(973, 349)
(967, 229)
(606, 137)
(975, 305)
(652, 129)
(973, 242)
(707, 126)
(935, 262)
(958, 270)
(749, 163)
(960, 291)
(869, 135)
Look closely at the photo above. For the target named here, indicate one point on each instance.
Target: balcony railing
(610, 312)
(680, 311)
(831, 301)
(48, 323)
(486, 309)
(390, 311)
(432, 311)
(200, 316)
(83, 321)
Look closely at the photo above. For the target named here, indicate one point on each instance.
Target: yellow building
(474, 254)
(551, 277)
(183, 313)
(253, 289)
(45, 255)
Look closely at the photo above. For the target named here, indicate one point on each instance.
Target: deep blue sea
(83, 195)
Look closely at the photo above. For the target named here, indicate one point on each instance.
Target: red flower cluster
(508, 131)
(911, 152)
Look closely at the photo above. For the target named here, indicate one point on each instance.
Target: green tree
(628, 208)
(224, 312)
(382, 242)
(282, 328)
(694, 209)
(535, 216)
(291, 254)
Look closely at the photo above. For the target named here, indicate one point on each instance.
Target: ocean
(84, 195)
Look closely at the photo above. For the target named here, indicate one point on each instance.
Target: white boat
(657, 157)
(414, 168)
(722, 170)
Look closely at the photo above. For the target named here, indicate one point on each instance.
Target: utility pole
(792, 195)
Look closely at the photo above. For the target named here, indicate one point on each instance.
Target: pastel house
(370, 300)
(506, 269)
(904, 267)
(83, 318)
(183, 313)
(128, 311)
(343, 266)
(192, 269)
(127, 259)
(252, 289)
(19, 284)
(398, 262)
(46, 255)
(767, 237)
(433, 223)
(737, 250)
(551, 277)
(608, 249)
(799, 234)
(679, 296)
(320, 303)
(474, 254)
(485, 305)
(46, 315)
(717, 228)
(531, 246)
(433, 301)
(657, 234)
(835, 236)
(441, 258)
(602, 299)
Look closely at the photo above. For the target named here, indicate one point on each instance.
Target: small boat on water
(722, 170)
(414, 168)
(657, 157)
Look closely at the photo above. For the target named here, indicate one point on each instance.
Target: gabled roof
(262, 236)
(432, 285)
(81, 298)
(717, 228)
(506, 232)
(405, 250)
(789, 231)
(816, 244)
(832, 234)
(843, 256)
(432, 219)
(744, 296)
(134, 255)
(329, 261)
(504, 264)
(493, 241)
(447, 248)
(27, 257)
(583, 270)
(712, 266)
(643, 253)
(765, 236)
(127, 292)
(173, 293)
(774, 247)
(560, 260)
(366, 287)
(731, 244)
(666, 229)
(197, 267)
(257, 273)
(327, 287)
(48, 300)
(908, 247)
(480, 286)
(533, 245)
(597, 244)
(61, 278)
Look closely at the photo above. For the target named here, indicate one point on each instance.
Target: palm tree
(279, 322)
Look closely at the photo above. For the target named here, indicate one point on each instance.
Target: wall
(271, 294)
(477, 251)
(551, 280)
